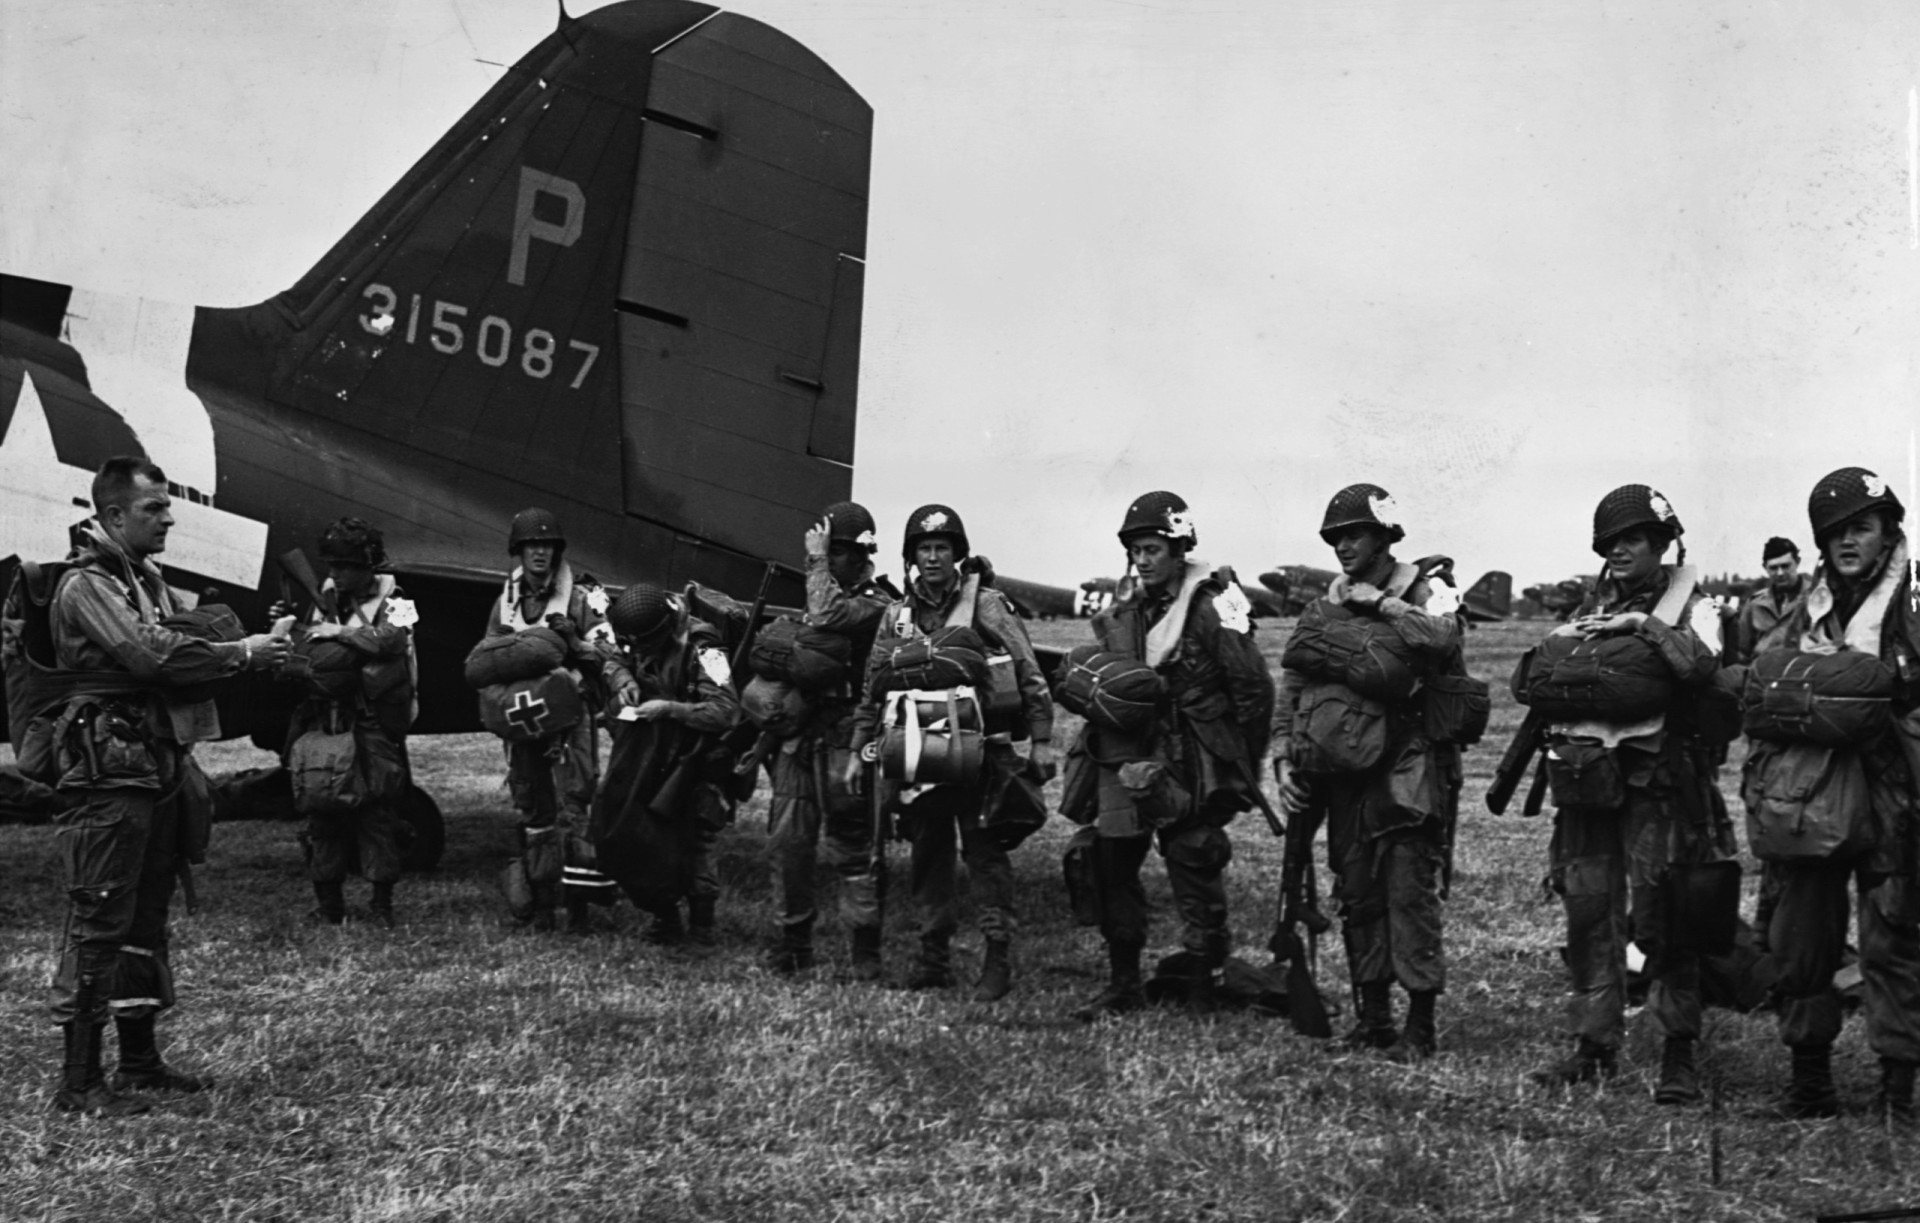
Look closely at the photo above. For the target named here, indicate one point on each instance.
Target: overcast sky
(1499, 257)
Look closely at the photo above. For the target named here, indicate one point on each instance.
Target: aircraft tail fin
(626, 283)
(1491, 598)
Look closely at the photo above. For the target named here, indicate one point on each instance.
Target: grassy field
(461, 1068)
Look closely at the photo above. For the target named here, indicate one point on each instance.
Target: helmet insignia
(1661, 508)
(1179, 526)
(1875, 486)
(1385, 512)
(934, 521)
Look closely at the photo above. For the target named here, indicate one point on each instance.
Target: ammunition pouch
(104, 744)
(1585, 775)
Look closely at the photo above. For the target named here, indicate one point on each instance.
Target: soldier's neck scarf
(1842, 614)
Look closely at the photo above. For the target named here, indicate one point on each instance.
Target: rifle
(1527, 743)
(753, 621)
(297, 570)
(1306, 1010)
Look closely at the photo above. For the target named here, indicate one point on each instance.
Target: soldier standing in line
(1389, 820)
(951, 589)
(365, 611)
(843, 597)
(120, 749)
(1635, 800)
(1862, 598)
(552, 778)
(1767, 607)
(1193, 627)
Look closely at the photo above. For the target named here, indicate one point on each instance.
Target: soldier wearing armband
(1860, 823)
(951, 588)
(844, 598)
(111, 691)
(1184, 773)
(1388, 794)
(552, 777)
(364, 611)
(1631, 774)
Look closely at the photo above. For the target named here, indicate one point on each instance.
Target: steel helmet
(849, 522)
(1362, 505)
(353, 541)
(534, 526)
(1845, 494)
(930, 521)
(1629, 506)
(644, 614)
(1160, 513)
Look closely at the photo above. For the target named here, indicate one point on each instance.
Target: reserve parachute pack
(1364, 653)
(505, 658)
(950, 657)
(1113, 691)
(1620, 678)
(1611, 679)
(1842, 699)
(329, 668)
(530, 709)
(790, 651)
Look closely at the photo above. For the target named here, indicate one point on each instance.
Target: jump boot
(933, 967)
(866, 953)
(381, 906)
(702, 929)
(83, 1085)
(1679, 1080)
(141, 1066)
(996, 972)
(1124, 992)
(1811, 1093)
(1894, 1103)
(1590, 1060)
(330, 907)
(792, 949)
(1373, 1027)
(667, 929)
(1418, 1041)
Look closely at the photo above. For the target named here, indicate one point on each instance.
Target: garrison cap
(1630, 506)
(1362, 505)
(1844, 494)
(1160, 513)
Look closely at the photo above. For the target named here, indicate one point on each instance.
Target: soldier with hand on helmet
(843, 597)
(1388, 810)
(364, 610)
(1190, 770)
(949, 590)
(556, 773)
